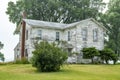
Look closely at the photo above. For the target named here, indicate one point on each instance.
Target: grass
(68, 72)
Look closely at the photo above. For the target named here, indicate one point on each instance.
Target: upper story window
(57, 36)
(84, 34)
(69, 38)
(26, 34)
(95, 35)
(39, 34)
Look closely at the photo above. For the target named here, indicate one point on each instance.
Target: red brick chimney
(23, 35)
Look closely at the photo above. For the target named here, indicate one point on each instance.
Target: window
(69, 35)
(95, 35)
(57, 36)
(26, 53)
(84, 44)
(69, 51)
(84, 34)
(39, 34)
(26, 34)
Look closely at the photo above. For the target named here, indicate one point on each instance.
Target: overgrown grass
(68, 72)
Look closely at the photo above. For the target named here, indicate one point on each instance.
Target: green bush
(107, 54)
(48, 57)
(1, 63)
(2, 58)
(114, 57)
(90, 53)
(22, 61)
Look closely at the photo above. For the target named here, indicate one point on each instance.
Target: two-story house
(85, 33)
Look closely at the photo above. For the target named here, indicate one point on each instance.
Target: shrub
(90, 53)
(22, 61)
(2, 58)
(48, 57)
(114, 57)
(1, 63)
(107, 54)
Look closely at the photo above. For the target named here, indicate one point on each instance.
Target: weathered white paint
(75, 32)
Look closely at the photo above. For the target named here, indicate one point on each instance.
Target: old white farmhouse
(85, 33)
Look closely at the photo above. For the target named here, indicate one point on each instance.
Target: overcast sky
(6, 32)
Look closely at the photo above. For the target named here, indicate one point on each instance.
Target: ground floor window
(26, 52)
(69, 51)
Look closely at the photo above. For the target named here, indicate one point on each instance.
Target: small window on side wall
(57, 36)
(39, 34)
(26, 34)
(95, 35)
(26, 52)
(69, 38)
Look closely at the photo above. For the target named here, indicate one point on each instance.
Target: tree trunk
(106, 61)
(92, 60)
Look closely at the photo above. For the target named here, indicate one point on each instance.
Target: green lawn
(68, 72)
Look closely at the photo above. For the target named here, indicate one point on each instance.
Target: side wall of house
(90, 26)
(17, 54)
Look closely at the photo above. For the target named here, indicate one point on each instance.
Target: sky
(6, 32)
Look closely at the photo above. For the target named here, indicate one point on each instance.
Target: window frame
(26, 52)
(69, 35)
(95, 35)
(57, 36)
(26, 35)
(39, 34)
(84, 34)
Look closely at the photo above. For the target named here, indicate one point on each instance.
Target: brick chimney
(23, 35)
(24, 15)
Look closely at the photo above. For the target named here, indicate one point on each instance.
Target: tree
(65, 11)
(90, 53)
(1, 55)
(114, 57)
(48, 57)
(111, 20)
(108, 54)
(1, 45)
